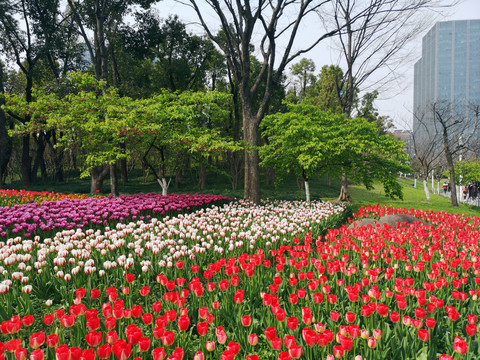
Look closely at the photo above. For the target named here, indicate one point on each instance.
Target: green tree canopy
(97, 120)
(307, 140)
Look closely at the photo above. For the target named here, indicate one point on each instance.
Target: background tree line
(124, 115)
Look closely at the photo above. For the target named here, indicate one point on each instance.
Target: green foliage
(368, 111)
(307, 141)
(97, 120)
(468, 170)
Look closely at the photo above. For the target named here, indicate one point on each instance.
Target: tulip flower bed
(50, 216)
(245, 282)
(18, 197)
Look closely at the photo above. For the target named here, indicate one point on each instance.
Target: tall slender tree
(241, 22)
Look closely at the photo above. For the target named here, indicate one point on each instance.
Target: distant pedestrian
(445, 187)
(465, 192)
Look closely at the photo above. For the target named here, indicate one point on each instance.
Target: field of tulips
(47, 217)
(238, 281)
(18, 197)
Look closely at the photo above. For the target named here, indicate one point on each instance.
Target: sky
(395, 100)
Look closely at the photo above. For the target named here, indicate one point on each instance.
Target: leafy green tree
(328, 90)
(307, 140)
(367, 110)
(467, 171)
(304, 77)
(97, 120)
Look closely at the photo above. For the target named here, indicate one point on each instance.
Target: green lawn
(217, 184)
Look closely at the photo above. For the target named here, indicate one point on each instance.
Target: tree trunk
(26, 161)
(123, 166)
(451, 169)
(39, 159)
(307, 191)
(328, 180)
(252, 176)
(99, 174)
(425, 188)
(164, 185)
(113, 180)
(344, 194)
(202, 183)
(5, 141)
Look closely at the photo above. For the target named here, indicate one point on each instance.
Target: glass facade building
(448, 73)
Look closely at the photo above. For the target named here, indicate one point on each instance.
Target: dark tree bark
(344, 193)
(5, 140)
(240, 22)
(99, 174)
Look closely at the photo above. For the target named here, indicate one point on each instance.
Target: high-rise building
(447, 75)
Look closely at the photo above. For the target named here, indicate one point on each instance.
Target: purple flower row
(70, 213)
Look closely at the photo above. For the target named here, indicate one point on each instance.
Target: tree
(427, 152)
(368, 111)
(303, 71)
(467, 171)
(240, 22)
(307, 140)
(328, 89)
(455, 130)
(5, 141)
(99, 121)
(372, 35)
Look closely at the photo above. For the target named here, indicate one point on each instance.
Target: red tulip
(129, 277)
(75, 353)
(158, 353)
(202, 328)
(168, 338)
(271, 332)
(93, 338)
(104, 351)
(95, 294)
(144, 291)
(471, 329)
(20, 354)
(318, 298)
(88, 354)
(210, 346)
(284, 356)
(27, 320)
(292, 323)
(246, 320)
(37, 339)
(121, 349)
(350, 317)
(395, 317)
(460, 346)
(52, 340)
(233, 347)
(144, 344)
(111, 337)
(62, 352)
(295, 351)
(334, 315)
(276, 343)
(93, 323)
(199, 356)
(430, 323)
(253, 339)
(423, 334)
(37, 355)
(13, 345)
(253, 357)
(183, 322)
(67, 320)
(48, 319)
